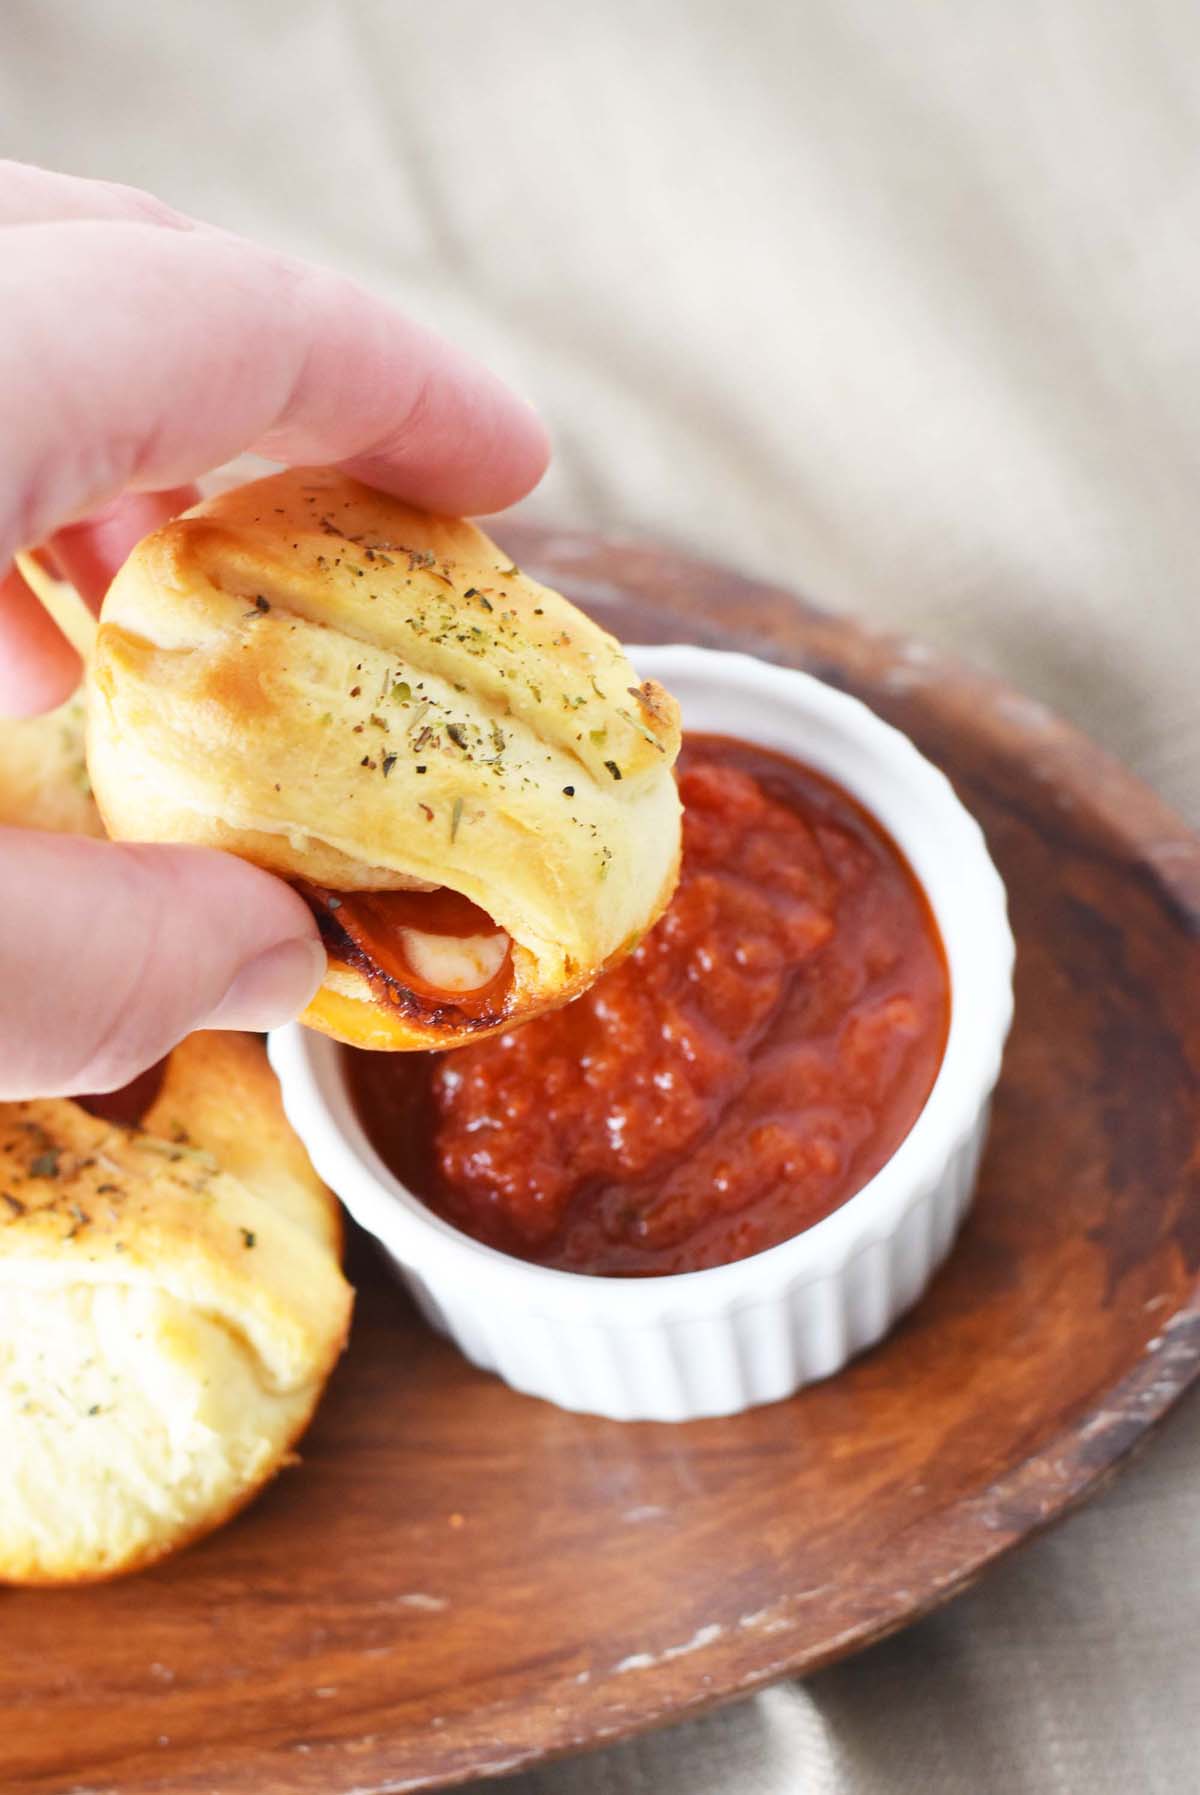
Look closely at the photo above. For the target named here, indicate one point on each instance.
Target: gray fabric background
(897, 302)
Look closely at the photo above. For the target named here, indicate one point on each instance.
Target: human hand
(138, 349)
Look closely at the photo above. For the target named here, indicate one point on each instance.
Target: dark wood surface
(458, 1580)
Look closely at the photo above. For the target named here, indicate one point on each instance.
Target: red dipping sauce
(756, 1060)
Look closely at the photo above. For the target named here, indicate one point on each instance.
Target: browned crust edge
(379, 1027)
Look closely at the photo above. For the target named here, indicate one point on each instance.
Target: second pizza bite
(171, 1305)
(459, 770)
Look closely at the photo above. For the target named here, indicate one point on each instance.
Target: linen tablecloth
(896, 303)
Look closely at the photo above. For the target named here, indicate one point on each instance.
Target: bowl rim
(966, 892)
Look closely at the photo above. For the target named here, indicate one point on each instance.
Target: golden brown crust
(43, 774)
(221, 1089)
(365, 697)
(193, 1247)
(97, 1202)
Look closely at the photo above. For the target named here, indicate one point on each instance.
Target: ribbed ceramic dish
(718, 1341)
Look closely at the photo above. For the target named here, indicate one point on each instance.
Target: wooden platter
(458, 1580)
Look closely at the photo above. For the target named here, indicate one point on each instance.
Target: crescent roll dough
(171, 1304)
(43, 776)
(461, 772)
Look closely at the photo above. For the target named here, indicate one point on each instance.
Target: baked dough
(366, 698)
(171, 1304)
(43, 775)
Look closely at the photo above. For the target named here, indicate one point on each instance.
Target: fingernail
(272, 989)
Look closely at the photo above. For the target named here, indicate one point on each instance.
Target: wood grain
(458, 1580)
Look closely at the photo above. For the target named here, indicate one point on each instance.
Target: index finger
(134, 356)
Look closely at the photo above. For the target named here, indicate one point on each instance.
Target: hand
(138, 349)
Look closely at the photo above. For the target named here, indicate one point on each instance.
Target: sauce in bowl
(754, 1062)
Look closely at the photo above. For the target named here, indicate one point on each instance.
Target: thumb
(111, 953)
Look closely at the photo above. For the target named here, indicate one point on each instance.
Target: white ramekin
(714, 1342)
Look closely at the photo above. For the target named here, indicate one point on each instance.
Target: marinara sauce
(758, 1057)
